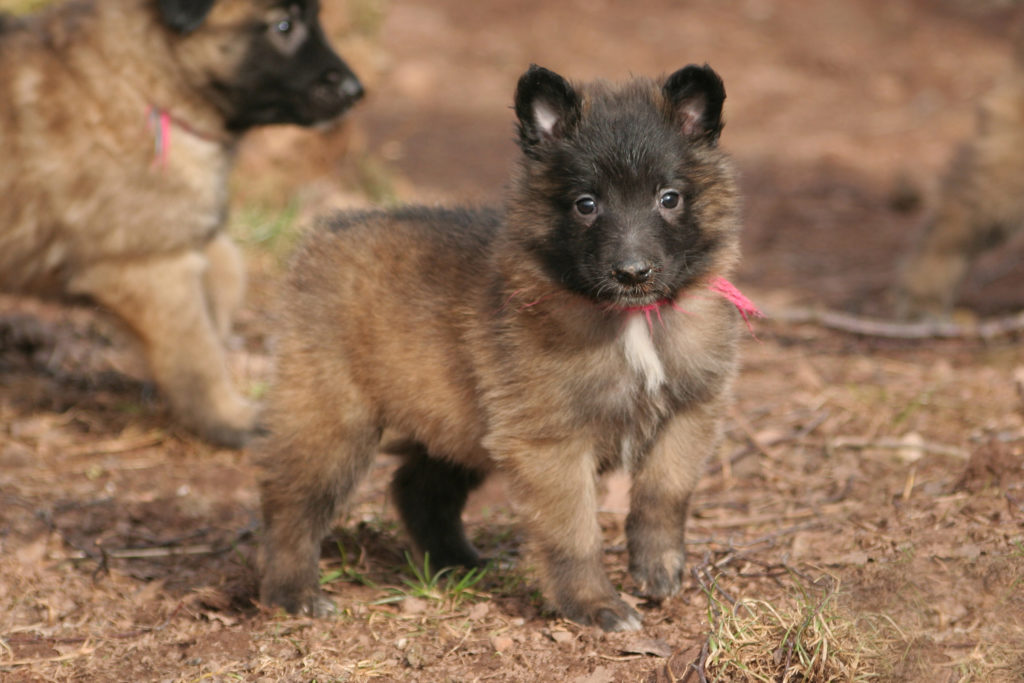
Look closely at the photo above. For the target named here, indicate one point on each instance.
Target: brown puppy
(981, 206)
(571, 334)
(118, 124)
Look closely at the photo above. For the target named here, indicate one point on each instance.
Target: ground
(864, 517)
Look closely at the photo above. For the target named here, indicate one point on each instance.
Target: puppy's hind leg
(163, 301)
(430, 494)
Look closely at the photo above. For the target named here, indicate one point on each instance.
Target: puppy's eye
(286, 30)
(586, 206)
(670, 199)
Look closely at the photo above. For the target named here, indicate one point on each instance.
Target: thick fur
(92, 210)
(507, 341)
(981, 204)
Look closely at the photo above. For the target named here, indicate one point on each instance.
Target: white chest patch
(640, 352)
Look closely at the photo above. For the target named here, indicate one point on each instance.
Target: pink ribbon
(160, 126)
(719, 286)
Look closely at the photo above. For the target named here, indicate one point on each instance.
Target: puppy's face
(262, 61)
(623, 194)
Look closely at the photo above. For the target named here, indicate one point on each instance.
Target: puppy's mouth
(616, 296)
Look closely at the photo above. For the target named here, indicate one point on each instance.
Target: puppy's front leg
(556, 484)
(659, 500)
(223, 282)
(164, 302)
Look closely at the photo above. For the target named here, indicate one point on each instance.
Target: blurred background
(842, 114)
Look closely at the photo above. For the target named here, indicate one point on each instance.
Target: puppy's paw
(306, 603)
(658, 578)
(611, 614)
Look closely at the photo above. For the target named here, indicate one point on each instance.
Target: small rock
(912, 450)
(501, 643)
(562, 637)
(479, 611)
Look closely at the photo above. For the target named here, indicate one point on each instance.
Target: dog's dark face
(623, 194)
(262, 61)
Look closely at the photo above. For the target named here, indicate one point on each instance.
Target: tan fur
(88, 209)
(442, 327)
(981, 204)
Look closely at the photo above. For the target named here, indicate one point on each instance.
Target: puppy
(119, 121)
(579, 330)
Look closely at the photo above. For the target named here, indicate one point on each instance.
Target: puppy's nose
(635, 272)
(347, 84)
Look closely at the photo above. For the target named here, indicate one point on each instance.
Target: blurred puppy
(118, 125)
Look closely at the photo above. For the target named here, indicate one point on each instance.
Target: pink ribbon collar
(718, 285)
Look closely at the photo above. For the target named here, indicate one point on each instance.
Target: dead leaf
(220, 617)
(647, 646)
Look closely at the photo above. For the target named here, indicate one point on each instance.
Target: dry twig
(893, 329)
(897, 445)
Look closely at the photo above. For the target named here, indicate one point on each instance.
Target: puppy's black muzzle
(337, 90)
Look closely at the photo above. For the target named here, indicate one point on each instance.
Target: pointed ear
(695, 95)
(184, 16)
(547, 107)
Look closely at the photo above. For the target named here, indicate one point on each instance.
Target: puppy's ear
(184, 16)
(695, 95)
(547, 107)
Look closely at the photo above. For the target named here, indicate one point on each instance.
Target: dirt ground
(880, 482)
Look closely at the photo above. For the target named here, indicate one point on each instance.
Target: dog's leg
(223, 282)
(660, 496)
(313, 463)
(556, 484)
(430, 495)
(163, 301)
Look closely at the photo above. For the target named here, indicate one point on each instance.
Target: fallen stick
(894, 329)
(12, 663)
(859, 444)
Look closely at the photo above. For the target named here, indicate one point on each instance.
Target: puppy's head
(623, 194)
(261, 61)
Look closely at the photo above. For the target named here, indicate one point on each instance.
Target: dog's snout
(635, 272)
(345, 83)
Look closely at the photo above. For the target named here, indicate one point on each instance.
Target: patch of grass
(258, 389)
(267, 229)
(23, 6)
(374, 180)
(367, 16)
(804, 637)
(346, 572)
(447, 586)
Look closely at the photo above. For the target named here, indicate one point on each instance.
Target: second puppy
(580, 330)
